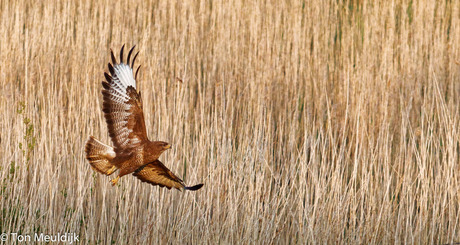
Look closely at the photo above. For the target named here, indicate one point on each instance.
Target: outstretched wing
(122, 105)
(156, 173)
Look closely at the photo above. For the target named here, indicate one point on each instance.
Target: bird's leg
(115, 181)
(111, 170)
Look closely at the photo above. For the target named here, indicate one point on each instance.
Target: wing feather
(156, 173)
(122, 106)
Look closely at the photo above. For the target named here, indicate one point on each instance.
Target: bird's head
(161, 146)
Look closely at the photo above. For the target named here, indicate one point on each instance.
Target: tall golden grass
(308, 121)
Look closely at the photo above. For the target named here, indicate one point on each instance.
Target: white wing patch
(123, 78)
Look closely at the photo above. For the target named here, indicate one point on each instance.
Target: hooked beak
(167, 146)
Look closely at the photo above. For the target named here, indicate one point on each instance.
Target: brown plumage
(133, 152)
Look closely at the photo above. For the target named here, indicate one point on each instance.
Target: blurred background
(307, 121)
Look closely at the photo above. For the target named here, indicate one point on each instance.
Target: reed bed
(307, 121)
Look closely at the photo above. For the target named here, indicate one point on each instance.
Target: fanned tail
(99, 156)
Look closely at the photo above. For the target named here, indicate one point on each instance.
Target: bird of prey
(132, 151)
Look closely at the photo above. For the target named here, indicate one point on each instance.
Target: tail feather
(99, 156)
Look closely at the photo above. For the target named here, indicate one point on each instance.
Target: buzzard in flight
(132, 151)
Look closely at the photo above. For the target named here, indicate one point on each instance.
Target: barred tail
(99, 156)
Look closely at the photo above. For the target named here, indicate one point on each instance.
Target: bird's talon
(115, 181)
(111, 170)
